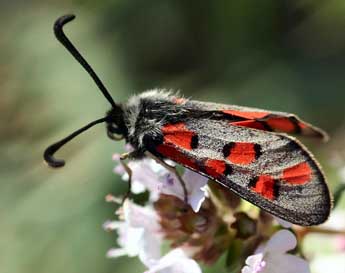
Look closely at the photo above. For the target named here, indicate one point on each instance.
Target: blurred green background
(283, 55)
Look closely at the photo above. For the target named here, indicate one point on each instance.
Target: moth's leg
(173, 170)
(128, 170)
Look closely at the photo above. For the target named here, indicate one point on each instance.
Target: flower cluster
(213, 223)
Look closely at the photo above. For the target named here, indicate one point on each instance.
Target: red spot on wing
(264, 186)
(178, 134)
(174, 154)
(242, 153)
(281, 124)
(246, 115)
(249, 123)
(179, 100)
(215, 168)
(298, 174)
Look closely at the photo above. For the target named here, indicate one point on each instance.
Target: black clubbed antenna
(60, 35)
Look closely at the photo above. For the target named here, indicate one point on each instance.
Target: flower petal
(143, 172)
(146, 241)
(171, 186)
(140, 217)
(137, 187)
(194, 180)
(116, 252)
(138, 235)
(175, 261)
(247, 269)
(254, 260)
(129, 239)
(111, 225)
(120, 170)
(282, 241)
(196, 199)
(285, 263)
(196, 186)
(150, 251)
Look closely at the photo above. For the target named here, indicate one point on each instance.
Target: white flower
(272, 257)
(176, 261)
(147, 174)
(139, 234)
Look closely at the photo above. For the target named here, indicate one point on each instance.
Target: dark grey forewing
(300, 203)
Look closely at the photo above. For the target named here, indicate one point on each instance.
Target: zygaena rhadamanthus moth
(244, 149)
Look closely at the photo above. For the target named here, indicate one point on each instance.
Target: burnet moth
(246, 150)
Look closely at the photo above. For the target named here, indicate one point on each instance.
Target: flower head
(140, 235)
(200, 232)
(148, 174)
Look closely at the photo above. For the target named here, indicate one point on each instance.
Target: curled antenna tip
(61, 21)
(50, 159)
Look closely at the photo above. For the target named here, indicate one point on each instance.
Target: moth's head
(116, 127)
(115, 124)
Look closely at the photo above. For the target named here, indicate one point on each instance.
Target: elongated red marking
(265, 186)
(246, 115)
(311, 131)
(303, 125)
(250, 123)
(214, 167)
(242, 153)
(298, 174)
(281, 124)
(174, 154)
(178, 134)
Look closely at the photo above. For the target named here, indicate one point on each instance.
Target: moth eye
(114, 132)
